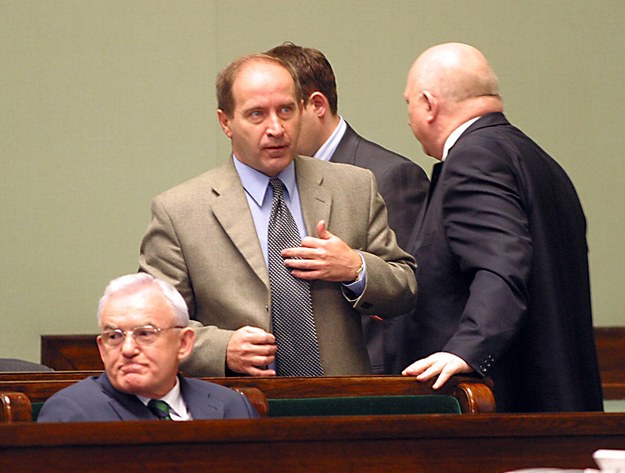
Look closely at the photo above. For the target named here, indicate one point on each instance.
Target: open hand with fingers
(441, 364)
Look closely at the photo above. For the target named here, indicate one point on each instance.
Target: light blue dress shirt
(259, 196)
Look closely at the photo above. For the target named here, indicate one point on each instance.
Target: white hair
(138, 282)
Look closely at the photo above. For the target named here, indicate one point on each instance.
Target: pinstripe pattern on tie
(291, 303)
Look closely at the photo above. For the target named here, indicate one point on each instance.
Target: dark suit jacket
(203, 240)
(95, 399)
(503, 272)
(402, 183)
(403, 186)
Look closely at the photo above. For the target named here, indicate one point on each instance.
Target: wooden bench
(80, 352)
(492, 443)
(17, 406)
(473, 395)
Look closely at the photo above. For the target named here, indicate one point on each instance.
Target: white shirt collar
(451, 139)
(329, 147)
(178, 408)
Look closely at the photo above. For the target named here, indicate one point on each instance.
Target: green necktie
(159, 408)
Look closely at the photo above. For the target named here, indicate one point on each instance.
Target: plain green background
(106, 103)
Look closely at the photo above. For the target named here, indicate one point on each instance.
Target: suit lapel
(345, 151)
(200, 403)
(232, 212)
(316, 201)
(126, 406)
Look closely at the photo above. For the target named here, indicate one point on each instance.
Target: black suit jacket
(503, 272)
(95, 399)
(403, 185)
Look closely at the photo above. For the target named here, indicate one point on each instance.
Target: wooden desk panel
(491, 443)
(70, 352)
(611, 355)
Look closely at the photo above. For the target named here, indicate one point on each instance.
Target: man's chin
(131, 383)
(275, 164)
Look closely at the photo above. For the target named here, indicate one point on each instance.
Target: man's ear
(319, 103)
(187, 339)
(100, 346)
(431, 104)
(224, 122)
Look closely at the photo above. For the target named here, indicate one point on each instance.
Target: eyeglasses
(144, 335)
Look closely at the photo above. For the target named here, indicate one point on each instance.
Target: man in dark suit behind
(144, 335)
(501, 249)
(402, 183)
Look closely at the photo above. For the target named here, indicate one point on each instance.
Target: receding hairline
(247, 61)
(227, 77)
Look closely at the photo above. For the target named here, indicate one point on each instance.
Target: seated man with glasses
(144, 335)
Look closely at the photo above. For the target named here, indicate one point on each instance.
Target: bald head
(448, 85)
(455, 72)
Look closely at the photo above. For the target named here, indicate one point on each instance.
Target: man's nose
(275, 126)
(130, 343)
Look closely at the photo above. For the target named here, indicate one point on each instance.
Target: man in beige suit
(208, 236)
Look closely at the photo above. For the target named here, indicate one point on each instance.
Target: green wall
(107, 103)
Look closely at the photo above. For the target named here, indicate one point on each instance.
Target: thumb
(322, 231)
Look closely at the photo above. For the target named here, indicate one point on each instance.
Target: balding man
(501, 248)
(276, 255)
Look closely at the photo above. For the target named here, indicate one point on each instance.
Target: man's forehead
(263, 94)
(260, 72)
(135, 306)
(260, 63)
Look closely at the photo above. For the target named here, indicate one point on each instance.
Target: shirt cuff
(358, 286)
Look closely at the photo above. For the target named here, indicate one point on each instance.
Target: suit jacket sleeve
(487, 230)
(404, 187)
(62, 408)
(391, 286)
(161, 254)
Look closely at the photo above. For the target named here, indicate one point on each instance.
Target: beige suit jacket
(203, 240)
